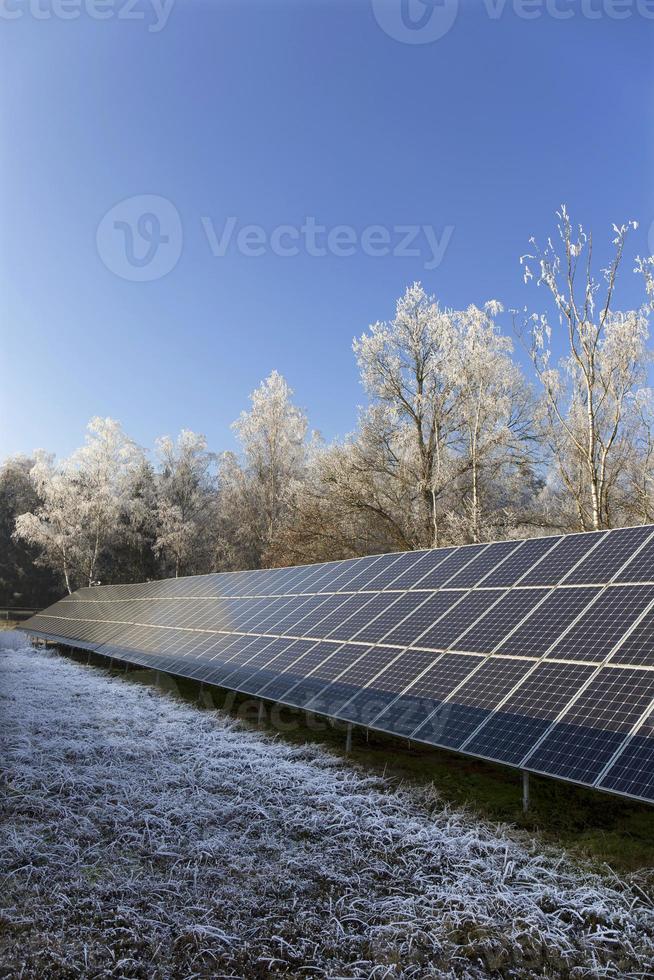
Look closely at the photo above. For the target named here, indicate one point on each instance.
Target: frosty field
(145, 838)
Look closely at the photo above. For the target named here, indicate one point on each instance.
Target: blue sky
(269, 113)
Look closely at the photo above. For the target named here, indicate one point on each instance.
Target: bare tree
(82, 501)
(404, 366)
(586, 399)
(495, 413)
(450, 413)
(185, 501)
(257, 488)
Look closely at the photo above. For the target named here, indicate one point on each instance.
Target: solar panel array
(536, 653)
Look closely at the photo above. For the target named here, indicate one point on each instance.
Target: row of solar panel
(566, 720)
(625, 555)
(577, 623)
(521, 652)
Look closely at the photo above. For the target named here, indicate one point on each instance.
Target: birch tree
(22, 583)
(82, 501)
(404, 366)
(495, 412)
(449, 420)
(54, 527)
(587, 396)
(258, 487)
(185, 507)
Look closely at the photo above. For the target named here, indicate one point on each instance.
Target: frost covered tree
(22, 583)
(82, 501)
(257, 488)
(404, 365)
(588, 398)
(448, 420)
(185, 505)
(494, 412)
(133, 556)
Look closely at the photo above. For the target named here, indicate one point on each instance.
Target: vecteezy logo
(140, 238)
(415, 21)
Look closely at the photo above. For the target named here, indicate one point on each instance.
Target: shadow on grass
(596, 827)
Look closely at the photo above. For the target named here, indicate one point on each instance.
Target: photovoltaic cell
(422, 617)
(426, 693)
(328, 670)
(632, 772)
(352, 604)
(327, 609)
(485, 562)
(350, 682)
(349, 629)
(637, 647)
(641, 566)
(388, 568)
(369, 703)
(520, 561)
(458, 619)
(427, 563)
(274, 675)
(364, 572)
(445, 570)
(400, 570)
(397, 608)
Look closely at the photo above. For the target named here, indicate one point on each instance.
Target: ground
(146, 838)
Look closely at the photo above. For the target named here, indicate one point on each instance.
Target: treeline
(454, 445)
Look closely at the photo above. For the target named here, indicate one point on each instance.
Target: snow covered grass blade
(145, 838)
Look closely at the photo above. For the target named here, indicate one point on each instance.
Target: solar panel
(464, 710)
(607, 559)
(631, 771)
(442, 571)
(476, 570)
(458, 619)
(547, 622)
(426, 692)
(537, 654)
(595, 725)
(495, 624)
(562, 560)
(383, 689)
(422, 617)
(527, 712)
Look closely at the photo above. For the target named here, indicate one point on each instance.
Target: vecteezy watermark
(424, 21)
(140, 238)
(154, 13)
(415, 21)
(317, 240)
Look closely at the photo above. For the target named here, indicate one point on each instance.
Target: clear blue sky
(271, 112)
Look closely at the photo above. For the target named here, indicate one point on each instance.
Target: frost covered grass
(144, 838)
